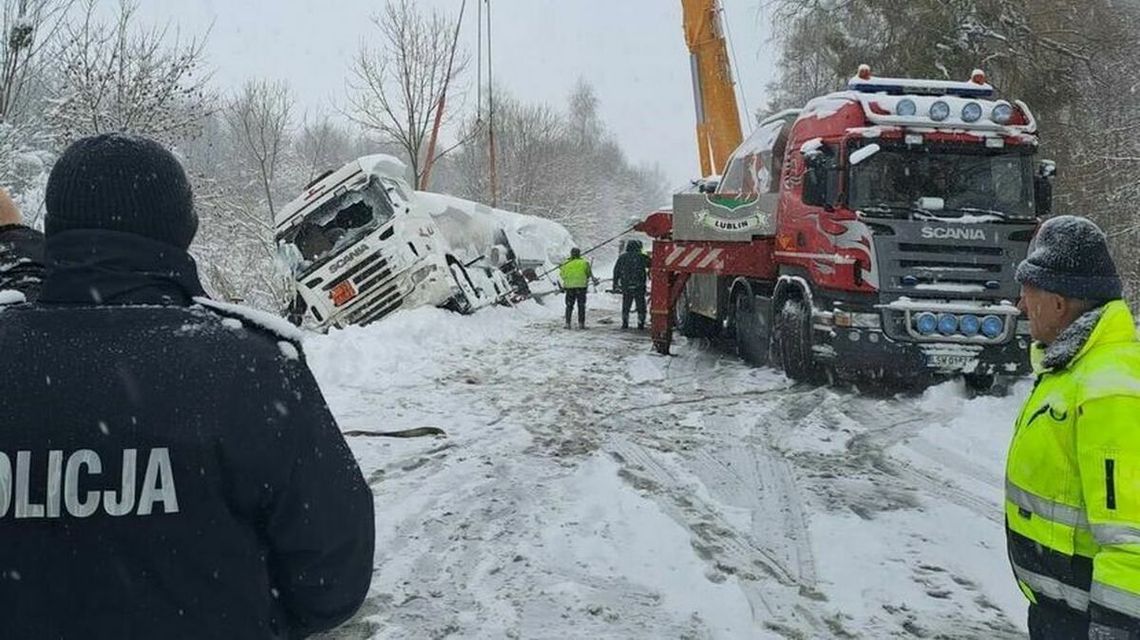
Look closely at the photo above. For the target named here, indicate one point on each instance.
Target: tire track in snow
(782, 600)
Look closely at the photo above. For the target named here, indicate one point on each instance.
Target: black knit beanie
(1070, 257)
(121, 182)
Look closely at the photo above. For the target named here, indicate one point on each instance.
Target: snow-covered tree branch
(259, 119)
(121, 76)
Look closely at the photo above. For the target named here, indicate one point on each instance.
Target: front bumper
(865, 350)
(859, 343)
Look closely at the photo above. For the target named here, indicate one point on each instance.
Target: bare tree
(27, 27)
(321, 145)
(259, 118)
(122, 77)
(564, 166)
(235, 241)
(396, 87)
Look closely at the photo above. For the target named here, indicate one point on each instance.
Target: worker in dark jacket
(630, 274)
(168, 466)
(21, 251)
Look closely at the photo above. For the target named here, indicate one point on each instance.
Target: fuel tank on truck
(743, 204)
(475, 231)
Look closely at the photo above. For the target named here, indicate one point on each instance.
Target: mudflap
(664, 293)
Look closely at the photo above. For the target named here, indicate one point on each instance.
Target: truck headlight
(969, 324)
(972, 112)
(947, 324)
(1002, 113)
(926, 323)
(992, 326)
(939, 111)
(421, 274)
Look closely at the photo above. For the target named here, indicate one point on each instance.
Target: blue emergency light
(992, 326)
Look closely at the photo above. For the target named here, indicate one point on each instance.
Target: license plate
(949, 361)
(342, 293)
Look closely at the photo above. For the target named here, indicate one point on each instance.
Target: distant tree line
(71, 68)
(1074, 63)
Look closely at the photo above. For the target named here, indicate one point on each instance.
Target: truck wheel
(982, 383)
(689, 324)
(750, 331)
(793, 341)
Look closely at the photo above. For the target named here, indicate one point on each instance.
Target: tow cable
(416, 432)
(500, 297)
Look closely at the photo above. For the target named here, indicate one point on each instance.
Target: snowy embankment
(590, 488)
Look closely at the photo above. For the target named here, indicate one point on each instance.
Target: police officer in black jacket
(168, 467)
(21, 252)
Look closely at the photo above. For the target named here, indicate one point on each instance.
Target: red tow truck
(873, 233)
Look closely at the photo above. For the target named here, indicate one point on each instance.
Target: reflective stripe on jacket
(575, 273)
(1072, 504)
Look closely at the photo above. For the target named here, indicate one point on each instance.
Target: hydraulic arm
(718, 119)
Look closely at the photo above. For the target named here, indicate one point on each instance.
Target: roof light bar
(976, 87)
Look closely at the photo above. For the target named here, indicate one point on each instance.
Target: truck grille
(361, 270)
(378, 293)
(981, 267)
(383, 304)
(976, 263)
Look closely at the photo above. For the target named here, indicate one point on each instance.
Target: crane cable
(425, 178)
(737, 72)
(479, 67)
(491, 114)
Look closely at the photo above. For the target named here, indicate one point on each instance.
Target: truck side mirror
(1043, 187)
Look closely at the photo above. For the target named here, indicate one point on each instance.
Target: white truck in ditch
(360, 243)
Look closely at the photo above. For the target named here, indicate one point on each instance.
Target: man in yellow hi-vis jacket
(576, 274)
(1072, 506)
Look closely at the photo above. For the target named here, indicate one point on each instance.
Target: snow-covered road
(589, 488)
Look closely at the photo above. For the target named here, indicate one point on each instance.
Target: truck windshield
(335, 226)
(901, 180)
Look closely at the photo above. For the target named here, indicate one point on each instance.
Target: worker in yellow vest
(576, 275)
(1072, 488)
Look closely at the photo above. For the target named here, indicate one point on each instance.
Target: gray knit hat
(1070, 257)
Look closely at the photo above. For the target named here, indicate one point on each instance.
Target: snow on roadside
(965, 448)
(886, 510)
(976, 428)
(606, 528)
(398, 351)
(484, 533)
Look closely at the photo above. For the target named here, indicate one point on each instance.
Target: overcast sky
(631, 51)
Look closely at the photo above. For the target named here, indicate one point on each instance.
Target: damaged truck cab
(358, 249)
(875, 232)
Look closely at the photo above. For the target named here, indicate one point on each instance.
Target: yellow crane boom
(718, 119)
